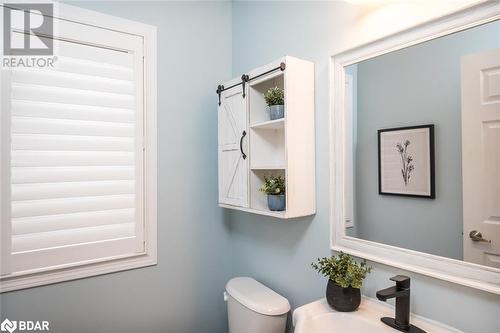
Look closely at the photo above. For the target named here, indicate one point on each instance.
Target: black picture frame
(431, 152)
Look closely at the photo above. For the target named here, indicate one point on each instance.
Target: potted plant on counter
(345, 278)
(274, 187)
(275, 99)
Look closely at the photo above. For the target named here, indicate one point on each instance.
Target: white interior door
(233, 139)
(481, 157)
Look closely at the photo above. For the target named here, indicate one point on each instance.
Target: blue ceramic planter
(276, 202)
(277, 111)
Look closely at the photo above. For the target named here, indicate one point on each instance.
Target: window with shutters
(78, 166)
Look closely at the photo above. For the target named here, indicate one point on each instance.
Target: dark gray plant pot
(277, 111)
(276, 203)
(342, 299)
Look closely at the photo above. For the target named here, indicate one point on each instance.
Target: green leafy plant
(273, 185)
(275, 96)
(343, 270)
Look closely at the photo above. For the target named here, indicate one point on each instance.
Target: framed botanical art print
(406, 161)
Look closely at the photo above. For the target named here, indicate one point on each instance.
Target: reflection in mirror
(423, 165)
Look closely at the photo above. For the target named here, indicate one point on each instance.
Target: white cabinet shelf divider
(252, 146)
(268, 167)
(270, 124)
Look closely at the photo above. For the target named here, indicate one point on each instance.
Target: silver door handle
(476, 236)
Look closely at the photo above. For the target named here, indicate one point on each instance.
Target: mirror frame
(451, 270)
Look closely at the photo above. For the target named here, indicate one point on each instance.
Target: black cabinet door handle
(241, 144)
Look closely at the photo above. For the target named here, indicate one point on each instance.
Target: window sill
(31, 279)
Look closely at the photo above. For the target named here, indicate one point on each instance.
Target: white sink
(318, 317)
(341, 322)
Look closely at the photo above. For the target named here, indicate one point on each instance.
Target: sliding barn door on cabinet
(253, 146)
(233, 162)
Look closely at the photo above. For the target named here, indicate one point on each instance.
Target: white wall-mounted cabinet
(252, 146)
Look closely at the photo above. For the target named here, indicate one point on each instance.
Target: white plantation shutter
(72, 153)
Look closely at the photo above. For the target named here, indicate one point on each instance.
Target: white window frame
(119, 263)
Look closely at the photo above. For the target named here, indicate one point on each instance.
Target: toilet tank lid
(257, 297)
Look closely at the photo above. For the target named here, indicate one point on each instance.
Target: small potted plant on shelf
(275, 99)
(274, 187)
(345, 278)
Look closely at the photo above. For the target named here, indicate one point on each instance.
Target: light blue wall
(200, 247)
(184, 292)
(416, 86)
(279, 252)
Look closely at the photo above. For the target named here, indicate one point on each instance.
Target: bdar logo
(8, 326)
(24, 325)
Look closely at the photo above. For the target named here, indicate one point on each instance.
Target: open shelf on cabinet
(267, 148)
(258, 199)
(270, 125)
(259, 111)
(280, 215)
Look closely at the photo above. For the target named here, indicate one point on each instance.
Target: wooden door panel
(492, 165)
(490, 84)
(229, 125)
(233, 168)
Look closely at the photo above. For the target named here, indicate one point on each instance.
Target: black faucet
(401, 291)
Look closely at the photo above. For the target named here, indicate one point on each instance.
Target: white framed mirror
(415, 149)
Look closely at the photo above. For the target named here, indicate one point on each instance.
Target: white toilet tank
(254, 308)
